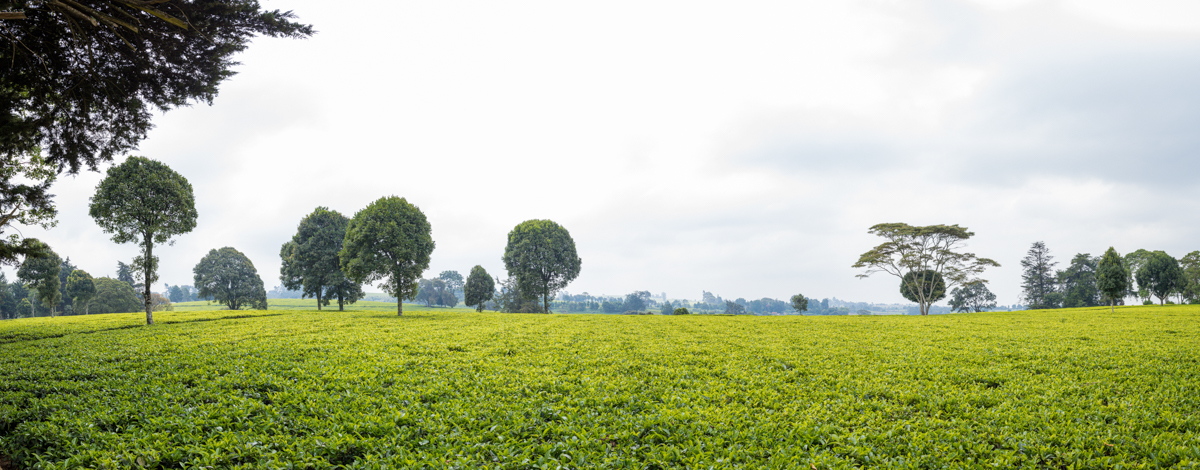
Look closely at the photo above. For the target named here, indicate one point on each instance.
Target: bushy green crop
(1077, 388)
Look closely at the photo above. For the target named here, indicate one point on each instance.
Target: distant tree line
(1088, 281)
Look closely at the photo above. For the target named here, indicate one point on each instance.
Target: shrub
(681, 311)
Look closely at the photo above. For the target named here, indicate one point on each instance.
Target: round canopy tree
(80, 288)
(927, 283)
(1112, 279)
(799, 303)
(144, 201)
(227, 276)
(390, 241)
(1161, 276)
(541, 256)
(310, 259)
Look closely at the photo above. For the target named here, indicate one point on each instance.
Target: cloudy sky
(742, 148)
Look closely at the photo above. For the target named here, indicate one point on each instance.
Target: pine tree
(1037, 279)
(1112, 280)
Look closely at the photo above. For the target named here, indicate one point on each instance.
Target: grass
(1078, 388)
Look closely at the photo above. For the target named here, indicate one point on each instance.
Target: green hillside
(1079, 388)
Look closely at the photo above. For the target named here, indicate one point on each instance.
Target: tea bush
(1079, 388)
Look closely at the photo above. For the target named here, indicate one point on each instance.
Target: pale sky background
(742, 148)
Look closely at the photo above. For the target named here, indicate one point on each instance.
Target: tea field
(1080, 388)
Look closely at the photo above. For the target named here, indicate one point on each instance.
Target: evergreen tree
(40, 271)
(227, 276)
(1112, 280)
(391, 241)
(1037, 278)
(310, 259)
(541, 255)
(479, 288)
(1077, 283)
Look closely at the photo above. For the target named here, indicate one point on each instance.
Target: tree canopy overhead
(930, 248)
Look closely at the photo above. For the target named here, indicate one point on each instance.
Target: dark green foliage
(124, 274)
(40, 271)
(681, 311)
(66, 303)
(8, 301)
(923, 286)
(390, 241)
(228, 277)
(636, 301)
(82, 78)
(799, 303)
(80, 288)
(1112, 280)
(144, 201)
(182, 294)
(666, 308)
(24, 197)
(734, 308)
(972, 297)
(1077, 283)
(1133, 263)
(310, 260)
(1190, 263)
(1037, 278)
(454, 282)
(113, 296)
(1161, 275)
(435, 292)
(479, 288)
(912, 249)
(512, 300)
(541, 255)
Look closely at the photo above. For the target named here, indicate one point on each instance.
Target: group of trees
(1091, 281)
(49, 286)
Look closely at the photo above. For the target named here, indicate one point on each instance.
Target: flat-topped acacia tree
(390, 241)
(541, 256)
(934, 248)
(144, 201)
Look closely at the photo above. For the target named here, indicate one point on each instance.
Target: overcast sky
(743, 148)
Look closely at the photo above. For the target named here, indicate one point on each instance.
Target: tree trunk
(399, 307)
(545, 302)
(1112, 305)
(146, 279)
(341, 308)
(318, 297)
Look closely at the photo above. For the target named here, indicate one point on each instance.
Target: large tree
(310, 259)
(1077, 283)
(80, 288)
(479, 288)
(1038, 281)
(911, 249)
(454, 283)
(972, 297)
(227, 276)
(1133, 263)
(24, 200)
(390, 241)
(1112, 280)
(114, 296)
(1190, 263)
(40, 271)
(82, 80)
(799, 303)
(541, 256)
(144, 201)
(1161, 275)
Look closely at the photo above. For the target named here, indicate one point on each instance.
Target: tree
(144, 201)
(124, 274)
(928, 283)
(512, 300)
(666, 308)
(346, 292)
(40, 271)
(1161, 275)
(390, 240)
(81, 78)
(430, 291)
(114, 296)
(227, 276)
(1133, 263)
(160, 303)
(24, 197)
(734, 308)
(799, 303)
(310, 259)
(681, 311)
(1112, 280)
(454, 282)
(541, 255)
(1190, 263)
(1078, 282)
(1037, 277)
(64, 272)
(8, 301)
(972, 297)
(479, 288)
(636, 301)
(931, 248)
(80, 288)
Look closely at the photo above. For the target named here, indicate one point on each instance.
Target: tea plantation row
(1052, 389)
